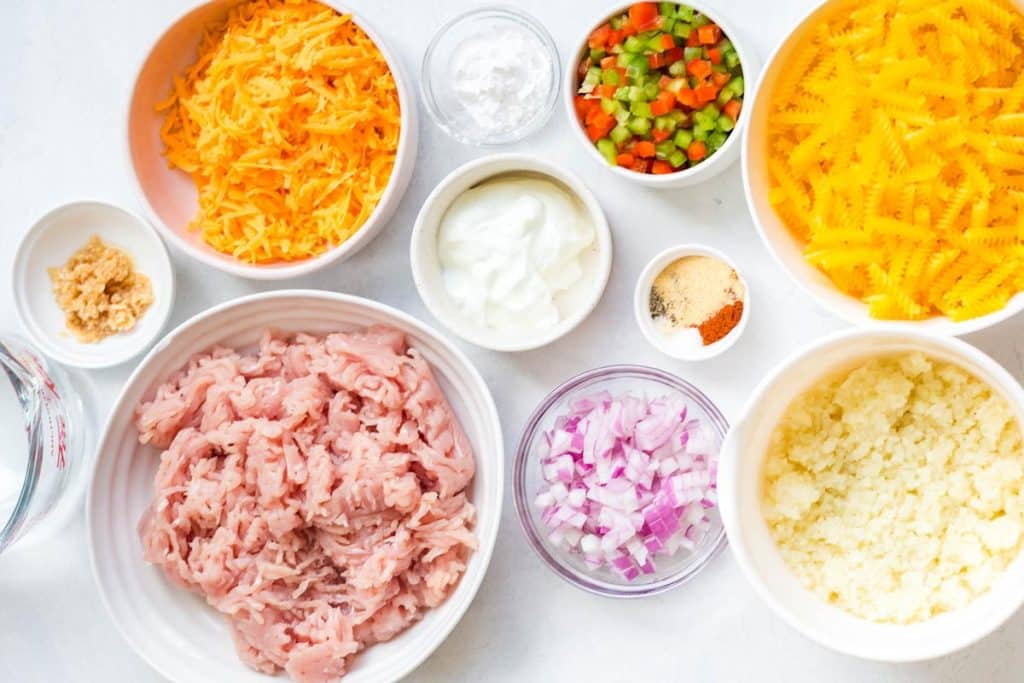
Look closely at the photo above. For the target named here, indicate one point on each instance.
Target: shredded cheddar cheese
(288, 123)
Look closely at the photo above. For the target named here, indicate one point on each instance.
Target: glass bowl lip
(527, 21)
(522, 503)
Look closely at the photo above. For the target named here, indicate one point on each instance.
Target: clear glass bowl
(437, 84)
(527, 479)
(46, 440)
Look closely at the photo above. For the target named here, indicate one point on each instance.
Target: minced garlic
(895, 491)
(100, 292)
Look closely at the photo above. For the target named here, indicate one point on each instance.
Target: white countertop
(67, 71)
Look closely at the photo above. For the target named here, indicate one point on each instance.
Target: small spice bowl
(686, 344)
(50, 243)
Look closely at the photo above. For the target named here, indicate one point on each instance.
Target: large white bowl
(723, 157)
(783, 246)
(173, 629)
(170, 196)
(739, 486)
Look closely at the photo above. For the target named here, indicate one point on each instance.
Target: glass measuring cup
(44, 439)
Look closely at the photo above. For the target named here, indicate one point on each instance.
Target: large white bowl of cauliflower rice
(873, 493)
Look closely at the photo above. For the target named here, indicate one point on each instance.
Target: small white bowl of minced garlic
(691, 302)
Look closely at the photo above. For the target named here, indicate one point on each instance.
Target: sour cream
(515, 254)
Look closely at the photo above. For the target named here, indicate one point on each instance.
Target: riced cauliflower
(895, 490)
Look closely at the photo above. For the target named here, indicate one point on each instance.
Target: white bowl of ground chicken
(871, 493)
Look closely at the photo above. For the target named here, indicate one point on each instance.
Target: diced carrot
(699, 68)
(644, 149)
(584, 105)
(660, 135)
(714, 54)
(625, 159)
(596, 131)
(599, 38)
(663, 82)
(643, 16)
(641, 165)
(687, 98)
(600, 118)
(606, 91)
(705, 93)
(732, 109)
(691, 40)
(615, 38)
(696, 151)
(666, 42)
(657, 60)
(628, 30)
(609, 62)
(661, 167)
(709, 34)
(720, 79)
(673, 55)
(663, 104)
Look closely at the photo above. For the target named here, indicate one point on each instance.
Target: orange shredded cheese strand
(288, 123)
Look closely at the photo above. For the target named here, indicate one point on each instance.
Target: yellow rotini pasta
(896, 147)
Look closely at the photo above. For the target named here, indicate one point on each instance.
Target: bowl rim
(506, 12)
(28, 320)
(508, 163)
(484, 551)
(522, 499)
(941, 325)
(729, 474)
(645, 282)
(706, 169)
(379, 218)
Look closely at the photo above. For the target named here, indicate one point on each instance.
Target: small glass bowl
(436, 74)
(527, 479)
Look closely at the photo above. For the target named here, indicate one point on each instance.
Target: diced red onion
(627, 480)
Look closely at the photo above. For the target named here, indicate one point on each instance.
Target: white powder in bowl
(502, 78)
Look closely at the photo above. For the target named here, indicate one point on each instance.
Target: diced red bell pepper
(627, 29)
(732, 109)
(644, 16)
(687, 98)
(673, 55)
(657, 60)
(692, 40)
(599, 38)
(625, 159)
(699, 67)
(615, 38)
(696, 151)
(715, 55)
(661, 167)
(720, 79)
(705, 94)
(641, 165)
(663, 104)
(644, 149)
(709, 34)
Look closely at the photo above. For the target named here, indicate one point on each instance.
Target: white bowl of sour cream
(510, 252)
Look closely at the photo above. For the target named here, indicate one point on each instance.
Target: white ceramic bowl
(50, 243)
(739, 488)
(173, 629)
(710, 167)
(426, 268)
(641, 306)
(786, 249)
(170, 196)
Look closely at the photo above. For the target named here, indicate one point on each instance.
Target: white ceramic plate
(173, 629)
(50, 243)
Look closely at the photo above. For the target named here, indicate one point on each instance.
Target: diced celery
(620, 134)
(731, 59)
(668, 23)
(617, 22)
(717, 139)
(639, 126)
(677, 158)
(724, 45)
(624, 59)
(675, 85)
(640, 109)
(685, 13)
(700, 20)
(724, 96)
(724, 123)
(636, 93)
(678, 116)
(666, 123)
(710, 111)
(700, 134)
(651, 90)
(736, 85)
(636, 69)
(634, 44)
(720, 68)
(667, 9)
(608, 106)
(664, 149)
(677, 69)
(621, 114)
(692, 53)
(610, 77)
(595, 55)
(607, 149)
(622, 93)
(683, 139)
(654, 43)
(681, 30)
